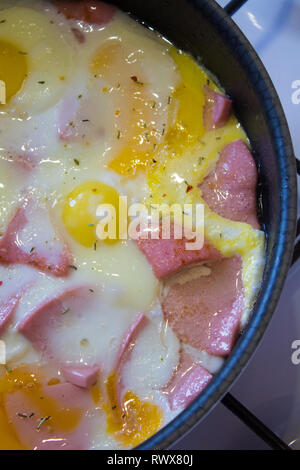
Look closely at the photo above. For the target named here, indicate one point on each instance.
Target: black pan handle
(253, 423)
(233, 6)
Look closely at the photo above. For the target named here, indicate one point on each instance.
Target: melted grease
(62, 419)
(132, 422)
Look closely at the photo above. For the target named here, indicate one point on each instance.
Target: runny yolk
(139, 129)
(61, 418)
(13, 68)
(137, 115)
(97, 396)
(189, 97)
(80, 211)
(9, 439)
(133, 422)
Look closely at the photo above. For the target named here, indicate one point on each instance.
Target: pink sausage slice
(72, 125)
(7, 310)
(216, 109)
(89, 11)
(206, 312)
(129, 338)
(188, 380)
(67, 112)
(45, 252)
(169, 256)
(40, 325)
(126, 347)
(25, 161)
(11, 291)
(81, 375)
(230, 189)
(39, 432)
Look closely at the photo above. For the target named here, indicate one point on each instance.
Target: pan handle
(233, 6)
(238, 409)
(260, 429)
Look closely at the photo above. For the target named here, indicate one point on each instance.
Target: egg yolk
(189, 97)
(80, 211)
(139, 129)
(13, 68)
(190, 151)
(133, 422)
(137, 115)
(30, 384)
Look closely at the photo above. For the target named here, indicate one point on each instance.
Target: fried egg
(95, 112)
(36, 60)
(183, 162)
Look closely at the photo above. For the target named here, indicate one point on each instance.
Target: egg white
(122, 277)
(49, 56)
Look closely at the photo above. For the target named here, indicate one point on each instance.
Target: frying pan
(203, 29)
